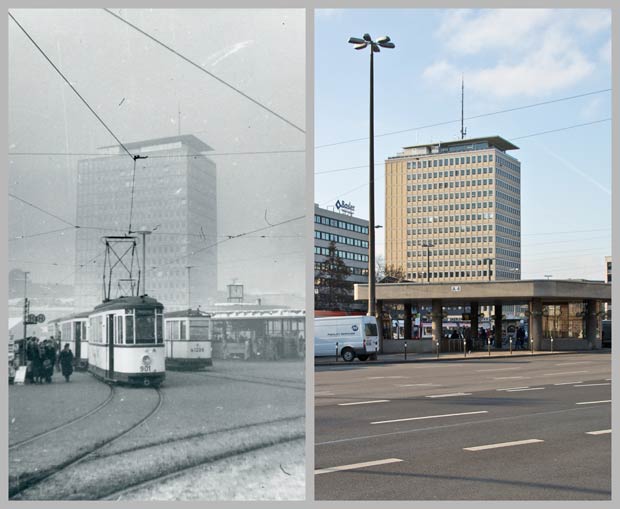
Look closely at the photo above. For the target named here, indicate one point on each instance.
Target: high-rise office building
(453, 211)
(173, 194)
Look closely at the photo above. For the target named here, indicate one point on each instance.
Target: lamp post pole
(428, 246)
(384, 42)
(144, 233)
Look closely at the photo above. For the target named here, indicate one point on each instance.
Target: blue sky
(509, 59)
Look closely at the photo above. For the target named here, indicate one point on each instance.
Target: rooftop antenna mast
(463, 128)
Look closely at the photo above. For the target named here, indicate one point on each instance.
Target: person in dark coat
(66, 361)
(37, 362)
(49, 361)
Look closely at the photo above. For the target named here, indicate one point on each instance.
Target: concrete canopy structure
(539, 295)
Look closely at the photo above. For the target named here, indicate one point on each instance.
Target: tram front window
(145, 326)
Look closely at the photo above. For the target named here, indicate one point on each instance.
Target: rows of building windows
(453, 229)
(508, 164)
(507, 242)
(507, 175)
(452, 252)
(457, 206)
(337, 223)
(508, 208)
(506, 219)
(508, 252)
(439, 275)
(355, 271)
(462, 240)
(484, 158)
(345, 255)
(461, 217)
(507, 231)
(506, 197)
(446, 185)
(449, 263)
(451, 196)
(341, 239)
(450, 173)
(508, 187)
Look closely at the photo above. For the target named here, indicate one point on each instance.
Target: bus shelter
(560, 314)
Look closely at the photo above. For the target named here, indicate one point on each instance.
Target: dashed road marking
(592, 385)
(565, 373)
(513, 388)
(495, 369)
(572, 363)
(525, 389)
(364, 402)
(324, 393)
(417, 385)
(510, 377)
(354, 466)
(449, 395)
(503, 444)
(569, 383)
(430, 417)
(600, 432)
(593, 402)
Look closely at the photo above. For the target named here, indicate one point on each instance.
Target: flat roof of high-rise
(495, 141)
(187, 139)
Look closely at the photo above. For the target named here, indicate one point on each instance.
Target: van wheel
(348, 355)
(362, 357)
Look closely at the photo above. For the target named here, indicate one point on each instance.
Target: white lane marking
(593, 402)
(504, 444)
(513, 388)
(417, 385)
(572, 363)
(430, 417)
(600, 432)
(495, 369)
(448, 395)
(591, 385)
(378, 377)
(356, 465)
(608, 379)
(526, 389)
(510, 377)
(564, 373)
(324, 393)
(364, 402)
(569, 383)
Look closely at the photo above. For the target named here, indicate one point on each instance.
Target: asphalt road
(501, 429)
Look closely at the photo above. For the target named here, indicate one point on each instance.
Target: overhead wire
(481, 115)
(198, 66)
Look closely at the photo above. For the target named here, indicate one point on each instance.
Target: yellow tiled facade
(460, 198)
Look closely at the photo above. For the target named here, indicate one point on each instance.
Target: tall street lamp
(428, 246)
(384, 42)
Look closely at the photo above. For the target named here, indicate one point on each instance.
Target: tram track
(38, 436)
(128, 489)
(34, 479)
(274, 382)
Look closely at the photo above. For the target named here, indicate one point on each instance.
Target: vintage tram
(187, 335)
(73, 329)
(126, 341)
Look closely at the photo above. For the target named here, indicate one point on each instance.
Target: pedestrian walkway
(395, 358)
(36, 408)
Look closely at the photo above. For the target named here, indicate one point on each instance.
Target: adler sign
(345, 208)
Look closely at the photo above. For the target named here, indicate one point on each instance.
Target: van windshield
(370, 329)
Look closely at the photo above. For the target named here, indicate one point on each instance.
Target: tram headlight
(146, 360)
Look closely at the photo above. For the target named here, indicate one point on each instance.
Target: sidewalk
(399, 358)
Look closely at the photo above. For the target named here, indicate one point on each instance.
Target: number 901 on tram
(126, 342)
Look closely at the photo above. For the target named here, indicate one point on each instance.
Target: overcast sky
(137, 88)
(509, 59)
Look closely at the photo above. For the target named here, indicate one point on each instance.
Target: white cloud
(605, 53)
(519, 51)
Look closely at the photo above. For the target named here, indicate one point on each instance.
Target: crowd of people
(43, 356)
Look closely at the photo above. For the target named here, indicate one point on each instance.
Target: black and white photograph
(156, 254)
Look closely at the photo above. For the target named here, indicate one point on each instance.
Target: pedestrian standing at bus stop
(66, 361)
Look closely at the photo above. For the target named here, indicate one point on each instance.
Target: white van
(347, 336)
